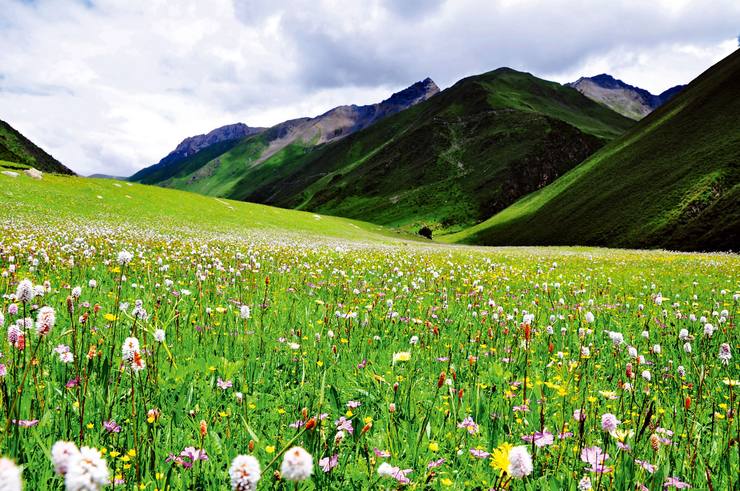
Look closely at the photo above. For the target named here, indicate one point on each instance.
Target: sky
(111, 86)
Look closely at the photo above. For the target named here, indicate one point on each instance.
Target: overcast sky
(113, 86)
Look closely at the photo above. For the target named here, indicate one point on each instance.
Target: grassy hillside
(15, 147)
(673, 181)
(448, 162)
(108, 202)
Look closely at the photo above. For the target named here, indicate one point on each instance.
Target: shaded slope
(448, 162)
(15, 147)
(672, 182)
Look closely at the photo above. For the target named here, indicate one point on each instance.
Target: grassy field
(392, 363)
(85, 201)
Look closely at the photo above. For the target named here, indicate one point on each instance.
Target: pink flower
(328, 463)
(609, 422)
(676, 483)
(595, 457)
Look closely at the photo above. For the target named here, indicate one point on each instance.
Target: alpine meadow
(519, 276)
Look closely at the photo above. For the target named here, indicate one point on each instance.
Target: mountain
(187, 169)
(107, 176)
(630, 101)
(225, 137)
(16, 148)
(448, 162)
(673, 181)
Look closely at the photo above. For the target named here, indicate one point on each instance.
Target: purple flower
(383, 454)
(595, 457)
(224, 384)
(111, 426)
(362, 364)
(73, 383)
(354, 404)
(676, 483)
(523, 408)
(190, 455)
(435, 463)
(480, 454)
(469, 425)
(345, 424)
(328, 463)
(26, 423)
(541, 439)
(645, 465)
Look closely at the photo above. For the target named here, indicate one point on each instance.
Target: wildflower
(130, 349)
(45, 320)
(589, 317)
(402, 356)
(725, 354)
(540, 438)
(10, 476)
(159, 335)
(579, 415)
(609, 422)
(25, 292)
(344, 424)
(520, 462)
(223, 384)
(676, 483)
(61, 452)
(646, 375)
(86, 471)
(245, 312)
(469, 425)
(584, 484)
(596, 458)
(328, 463)
(111, 426)
(435, 463)
(617, 338)
(297, 465)
(708, 330)
(646, 465)
(245, 473)
(478, 453)
(124, 257)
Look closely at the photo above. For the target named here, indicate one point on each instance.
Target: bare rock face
(33, 173)
(193, 144)
(627, 100)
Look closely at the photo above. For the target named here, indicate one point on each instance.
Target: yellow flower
(500, 457)
(270, 449)
(131, 453)
(402, 356)
(109, 317)
(446, 481)
(434, 447)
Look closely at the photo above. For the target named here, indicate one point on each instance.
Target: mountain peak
(414, 93)
(620, 96)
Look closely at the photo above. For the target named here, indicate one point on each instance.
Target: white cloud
(113, 85)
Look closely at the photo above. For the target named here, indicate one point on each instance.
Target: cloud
(111, 86)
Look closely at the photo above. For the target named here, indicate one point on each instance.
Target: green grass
(59, 198)
(672, 182)
(14, 147)
(332, 310)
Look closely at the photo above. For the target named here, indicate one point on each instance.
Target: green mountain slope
(448, 162)
(671, 182)
(15, 147)
(104, 202)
